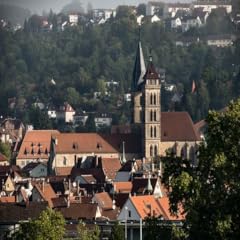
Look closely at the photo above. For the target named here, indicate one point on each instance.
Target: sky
(38, 6)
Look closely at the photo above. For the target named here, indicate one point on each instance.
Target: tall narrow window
(151, 132)
(155, 132)
(154, 99)
(155, 116)
(151, 99)
(151, 115)
(151, 151)
(155, 150)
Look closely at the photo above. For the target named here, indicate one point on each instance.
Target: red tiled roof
(146, 206)
(177, 126)
(104, 200)
(10, 199)
(96, 143)
(78, 211)
(36, 144)
(110, 167)
(63, 171)
(46, 191)
(122, 187)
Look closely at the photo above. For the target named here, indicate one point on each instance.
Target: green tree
(209, 192)
(5, 149)
(85, 233)
(117, 232)
(49, 225)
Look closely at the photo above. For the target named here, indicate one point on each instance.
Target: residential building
(73, 19)
(208, 6)
(102, 120)
(190, 22)
(176, 23)
(155, 8)
(220, 40)
(66, 113)
(173, 8)
(35, 147)
(36, 169)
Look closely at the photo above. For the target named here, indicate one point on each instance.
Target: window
(155, 151)
(64, 161)
(129, 214)
(151, 115)
(155, 99)
(151, 99)
(155, 132)
(151, 132)
(155, 116)
(151, 151)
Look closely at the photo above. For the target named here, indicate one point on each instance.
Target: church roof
(151, 72)
(177, 126)
(139, 68)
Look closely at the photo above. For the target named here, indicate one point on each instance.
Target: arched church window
(151, 151)
(151, 99)
(155, 99)
(155, 116)
(155, 150)
(151, 132)
(155, 132)
(151, 115)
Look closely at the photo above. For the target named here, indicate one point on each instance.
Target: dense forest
(82, 58)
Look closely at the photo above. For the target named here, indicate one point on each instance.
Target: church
(160, 131)
(152, 132)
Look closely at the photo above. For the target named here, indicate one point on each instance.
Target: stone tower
(146, 94)
(151, 92)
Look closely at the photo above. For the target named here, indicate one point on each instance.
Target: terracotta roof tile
(63, 171)
(28, 211)
(104, 200)
(36, 144)
(110, 167)
(122, 187)
(177, 126)
(10, 199)
(46, 191)
(97, 143)
(146, 206)
(78, 211)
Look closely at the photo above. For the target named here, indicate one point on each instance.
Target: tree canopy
(209, 192)
(49, 225)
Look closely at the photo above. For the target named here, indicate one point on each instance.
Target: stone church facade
(161, 131)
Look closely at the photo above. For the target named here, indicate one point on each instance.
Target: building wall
(124, 214)
(39, 171)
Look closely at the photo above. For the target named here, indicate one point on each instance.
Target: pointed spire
(123, 154)
(139, 67)
(151, 72)
(149, 185)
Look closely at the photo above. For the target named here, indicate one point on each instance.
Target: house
(35, 147)
(11, 130)
(208, 6)
(103, 200)
(80, 118)
(155, 18)
(199, 12)
(103, 14)
(51, 111)
(139, 19)
(73, 19)
(102, 120)
(176, 23)
(190, 22)
(3, 160)
(11, 170)
(173, 8)
(66, 113)
(7, 185)
(142, 207)
(43, 192)
(220, 40)
(9, 220)
(72, 149)
(35, 169)
(154, 7)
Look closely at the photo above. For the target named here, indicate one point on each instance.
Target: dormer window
(99, 146)
(75, 146)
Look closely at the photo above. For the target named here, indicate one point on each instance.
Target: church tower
(152, 111)
(146, 98)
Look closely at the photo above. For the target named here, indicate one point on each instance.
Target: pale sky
(37, 6)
